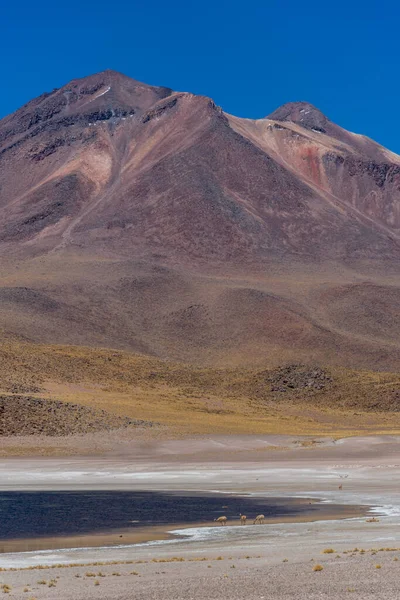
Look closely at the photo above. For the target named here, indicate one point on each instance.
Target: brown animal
(340, 487)
(221, 520)
(243, 519)
(259, 519)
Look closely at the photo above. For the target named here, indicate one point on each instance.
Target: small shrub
(96, 582)
(318, 568)
(42, 582)
(328, 551)
(378, 566)
(90, 574)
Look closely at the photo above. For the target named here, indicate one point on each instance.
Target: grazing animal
(221, 520)
(259, 519)
(243, 519)
(340, 487)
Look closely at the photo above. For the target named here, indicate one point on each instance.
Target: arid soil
(247, 573)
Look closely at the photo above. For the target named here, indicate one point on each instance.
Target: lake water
(37, 514)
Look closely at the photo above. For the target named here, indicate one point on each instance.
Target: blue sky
(250, 57)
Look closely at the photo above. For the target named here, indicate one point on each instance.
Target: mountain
(141, 218)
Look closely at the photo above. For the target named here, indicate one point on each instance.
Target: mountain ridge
(142, 218)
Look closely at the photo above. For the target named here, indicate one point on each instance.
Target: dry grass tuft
(198, 559)
(166, 560)
(318, 568)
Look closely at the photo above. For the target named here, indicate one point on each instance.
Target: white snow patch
(105, 92)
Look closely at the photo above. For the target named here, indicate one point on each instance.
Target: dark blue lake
(37, 514)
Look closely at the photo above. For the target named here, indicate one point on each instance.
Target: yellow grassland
(186, 400)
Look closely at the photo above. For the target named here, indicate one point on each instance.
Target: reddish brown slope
(137, 217)
(348, 169)
(112, 163)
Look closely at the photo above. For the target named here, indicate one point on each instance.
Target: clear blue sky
(250, 57)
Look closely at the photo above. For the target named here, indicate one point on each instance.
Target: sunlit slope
(180, 399)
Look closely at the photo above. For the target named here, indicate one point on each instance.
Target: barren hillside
(139, 218)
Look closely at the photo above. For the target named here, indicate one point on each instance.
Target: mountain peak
(302, 113)
(98, 97)
(110, 76)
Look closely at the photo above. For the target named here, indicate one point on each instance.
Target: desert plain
(357, 544)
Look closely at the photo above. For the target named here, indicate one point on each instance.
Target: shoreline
(359, 556)
(320, 511)
(160, 533)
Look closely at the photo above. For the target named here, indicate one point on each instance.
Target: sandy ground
(263, 561)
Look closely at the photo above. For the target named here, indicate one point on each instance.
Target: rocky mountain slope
(145, 219)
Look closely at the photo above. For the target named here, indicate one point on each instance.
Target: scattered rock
(26, 415)
(298, 377)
